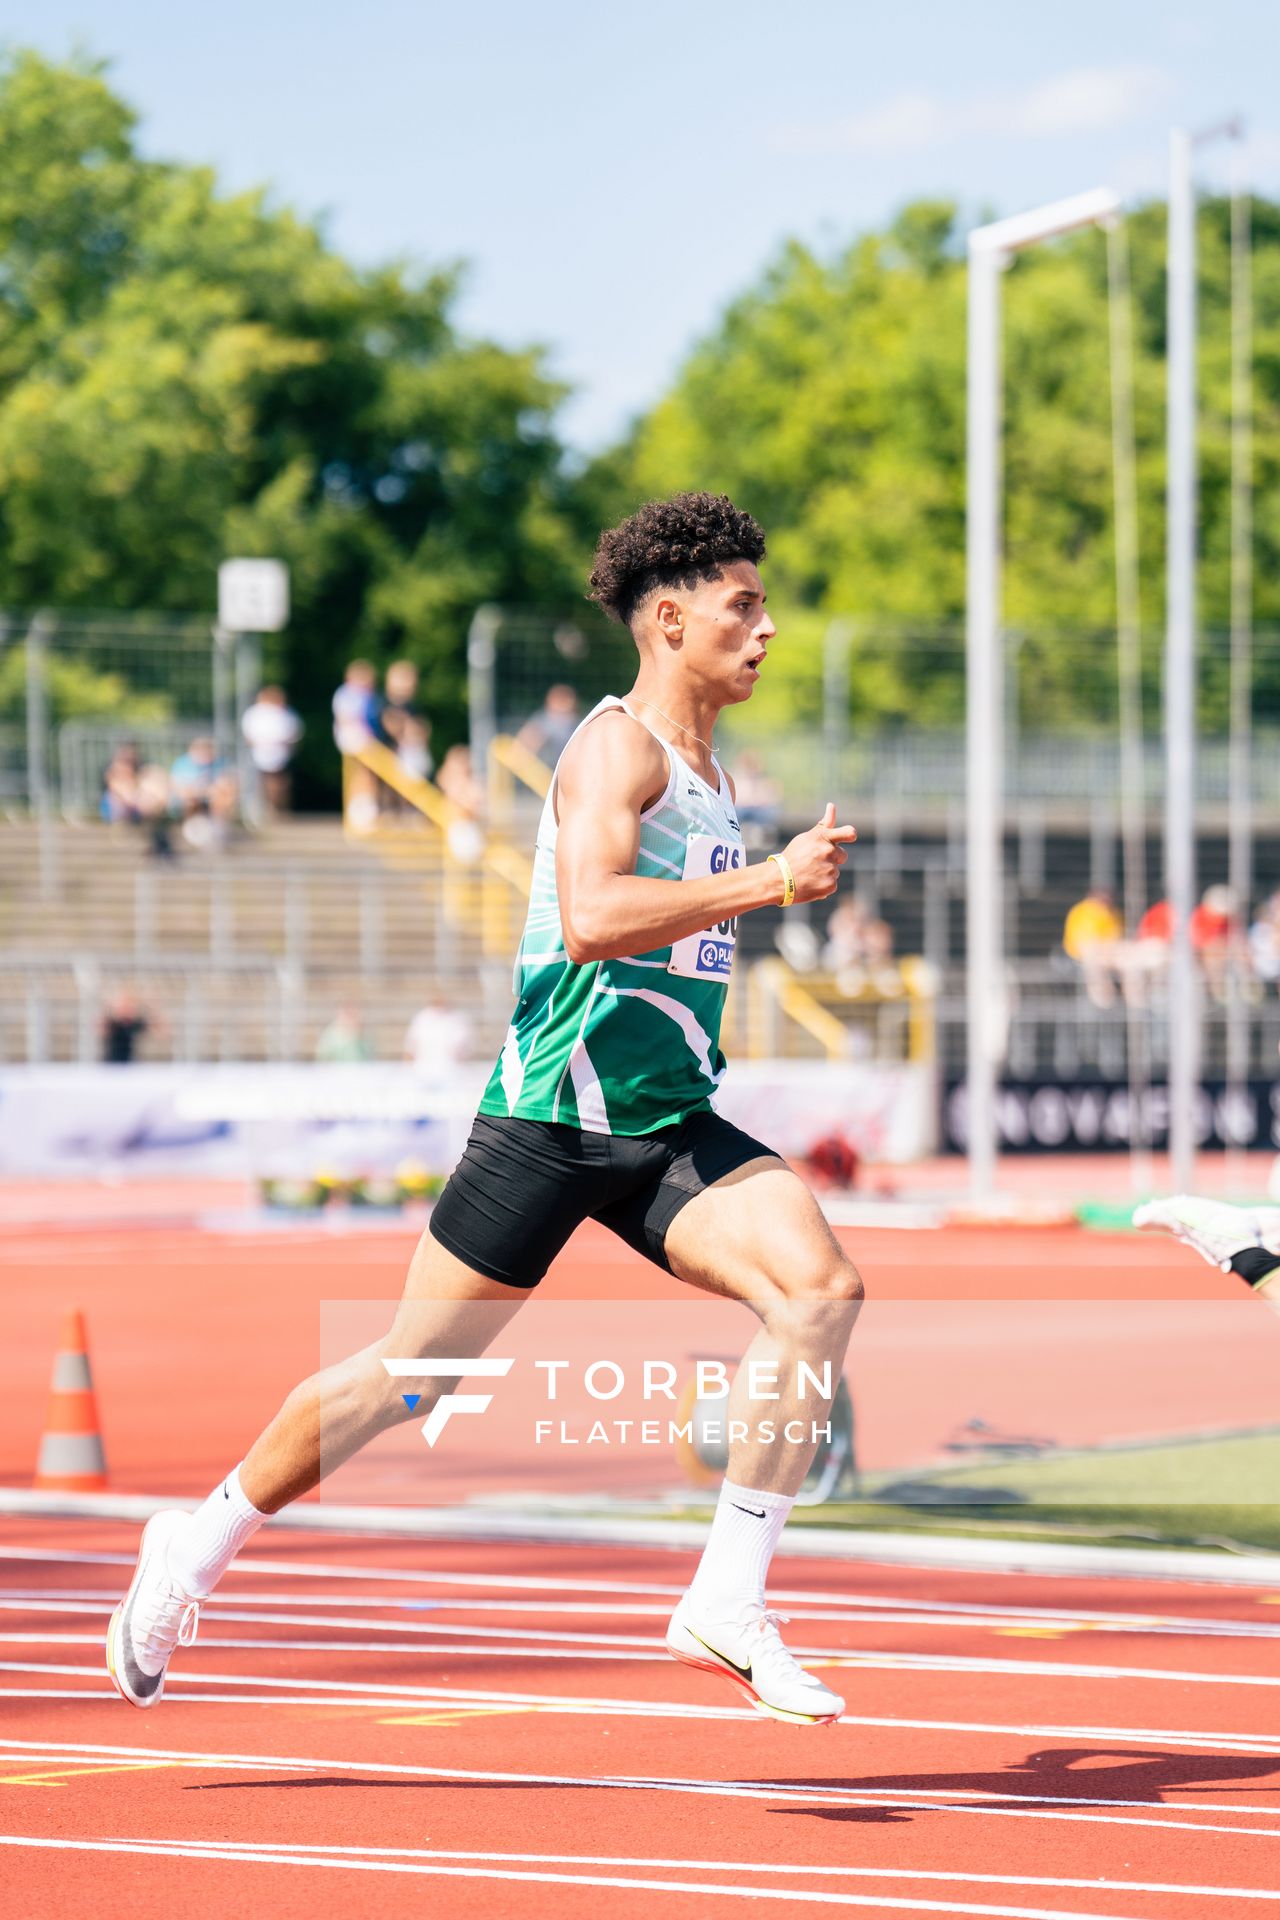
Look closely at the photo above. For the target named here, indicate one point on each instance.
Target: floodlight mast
(990, 250)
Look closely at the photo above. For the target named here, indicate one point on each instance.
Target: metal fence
(924, 772)
(73, 687)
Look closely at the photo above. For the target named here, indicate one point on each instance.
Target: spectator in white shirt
(273, 730)
(438, 1039)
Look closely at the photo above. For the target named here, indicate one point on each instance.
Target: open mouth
(756, 661)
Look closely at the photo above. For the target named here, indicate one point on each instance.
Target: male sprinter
(1240, 1240)
(600, 1106)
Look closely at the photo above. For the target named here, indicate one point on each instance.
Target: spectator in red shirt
(1214, 932)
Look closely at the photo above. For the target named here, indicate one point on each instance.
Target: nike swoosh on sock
(757, 1513)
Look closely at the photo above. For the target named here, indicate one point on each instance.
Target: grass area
(1215, 1492)
(1222, 1491)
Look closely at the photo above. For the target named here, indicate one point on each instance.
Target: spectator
(357, 724)
(155, 811)
(1156, 923)
(272, 730)
(547, 731)
(846, 944)
(124, 1022)
(1091, 937)
(405, 722)
(1143, 959)
(120, 801)
(438, 1039)
(357, 710)
(193, 773)
(882, 968)
(1214, 934)
(210, 824)
(344, 1041)
(1264, 943)
(457, 782)
(859, 950)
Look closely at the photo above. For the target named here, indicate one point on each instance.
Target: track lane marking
(439, 1870)
(945, 1610)
(754, 1790)
(1261, 1744)
(1053, 1881)
(33, 1752)
(883, 1613)
(620, 1647)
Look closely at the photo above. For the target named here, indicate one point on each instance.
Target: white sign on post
(253, 596)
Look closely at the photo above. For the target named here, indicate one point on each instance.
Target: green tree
(830, 400)
(185, 375)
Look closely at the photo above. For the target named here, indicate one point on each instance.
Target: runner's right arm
(606, 777)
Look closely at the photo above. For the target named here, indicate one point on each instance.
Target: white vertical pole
(1180, 663)
(1240, 758)
(982, 654)
(482, 653)
(989, 251)
(39, 795)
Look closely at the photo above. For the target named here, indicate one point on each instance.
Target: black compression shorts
(523, 1186)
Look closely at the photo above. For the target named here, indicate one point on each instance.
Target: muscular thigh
(448, 1307)
(754, 1234)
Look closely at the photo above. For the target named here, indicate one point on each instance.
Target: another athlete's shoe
(1216, 1230)
(155, 1617)
(750, 1653)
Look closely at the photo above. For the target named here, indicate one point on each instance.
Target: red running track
(495, 1727)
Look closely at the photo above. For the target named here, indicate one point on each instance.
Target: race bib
(709, 955)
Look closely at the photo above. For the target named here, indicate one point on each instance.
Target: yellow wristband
(783, 865)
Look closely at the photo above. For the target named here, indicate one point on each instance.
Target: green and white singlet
(624, 1046)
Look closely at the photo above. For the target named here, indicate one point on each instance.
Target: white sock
(735, 1561)
(200, 1556)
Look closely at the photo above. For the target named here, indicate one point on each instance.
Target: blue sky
(614, 175)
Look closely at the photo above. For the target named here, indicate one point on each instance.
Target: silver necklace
(681, 729)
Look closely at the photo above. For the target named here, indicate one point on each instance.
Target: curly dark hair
(670, 543)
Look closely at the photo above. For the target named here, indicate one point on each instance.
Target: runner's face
(726, 630)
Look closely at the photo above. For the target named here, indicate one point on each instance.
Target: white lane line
(727, 1789)
(438, 1650)
(957, 1878)
(396, 1693)
(1262, 1744)
(530, 1645)
(64, 1599)
(982, 1620)
(112, 1699)
(438, 1870)
(924, 1799)
(944, 1610)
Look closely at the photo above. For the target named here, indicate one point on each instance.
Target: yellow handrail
(510, 762)
(515, 758)
(419, 793)
(503, 869)
(773, 978)
(773, 984)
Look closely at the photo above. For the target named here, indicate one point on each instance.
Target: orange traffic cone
(72, 1459)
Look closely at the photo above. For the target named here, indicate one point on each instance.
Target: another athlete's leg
(759, 1236)
(1240, 1240)
(446, 1308)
